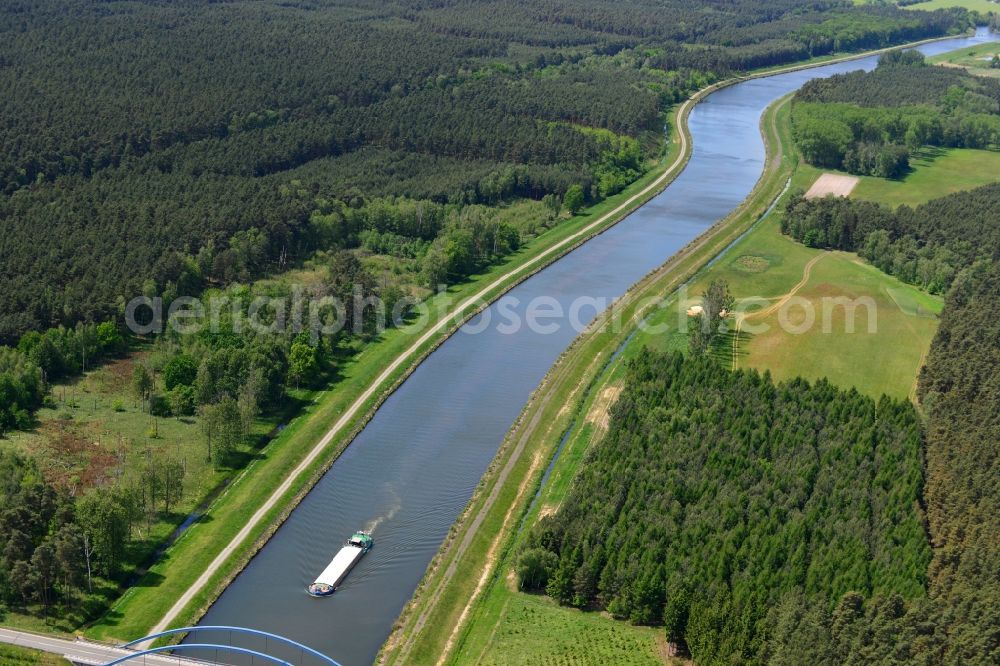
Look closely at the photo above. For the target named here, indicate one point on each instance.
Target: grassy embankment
(145, 604)
(502, 625)
(975, 59)
(11, 655)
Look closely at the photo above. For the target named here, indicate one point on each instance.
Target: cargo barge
(342, 563)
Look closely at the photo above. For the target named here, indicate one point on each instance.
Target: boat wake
(373, 524)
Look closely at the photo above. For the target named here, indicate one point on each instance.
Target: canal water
(411, 471)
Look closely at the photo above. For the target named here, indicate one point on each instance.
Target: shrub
(158, 405)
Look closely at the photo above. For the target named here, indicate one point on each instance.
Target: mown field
(879, 352)
(984, 6)
(934, 173)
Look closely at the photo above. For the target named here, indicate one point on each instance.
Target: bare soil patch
(600, 412)
(832, 184)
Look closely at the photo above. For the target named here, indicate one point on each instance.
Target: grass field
(766, 265)
(935, 172)
(984, 6)
(94, 422)
(883, 353)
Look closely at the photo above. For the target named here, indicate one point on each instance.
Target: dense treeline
(176, 126)
(868, 122)
(960, 389)
(901, 78)
(717, 497)
(927, 246)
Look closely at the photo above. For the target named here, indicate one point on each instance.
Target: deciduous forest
(868, 122)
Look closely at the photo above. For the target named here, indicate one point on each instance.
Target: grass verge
(11, 655)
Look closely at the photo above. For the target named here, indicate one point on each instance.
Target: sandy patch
(600, 411)
(831, 183)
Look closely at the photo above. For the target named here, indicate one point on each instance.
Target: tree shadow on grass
(730, 345)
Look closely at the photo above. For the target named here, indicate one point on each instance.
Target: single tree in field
(43, 566)
(573, 200)
(105, 525)
(553, 204)
(703, 328)
(204, 384)
(171, 482)
(302, 363)
(223, 428)
(249, 399)
(68, 551)
(142, 383)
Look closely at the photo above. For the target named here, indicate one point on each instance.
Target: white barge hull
(336, 571)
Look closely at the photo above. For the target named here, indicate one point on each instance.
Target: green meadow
(984, 6)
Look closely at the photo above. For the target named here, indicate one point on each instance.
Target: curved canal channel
(411, 471)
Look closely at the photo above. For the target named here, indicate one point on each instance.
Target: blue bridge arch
(305, 649)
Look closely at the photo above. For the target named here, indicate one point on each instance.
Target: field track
(771, 309)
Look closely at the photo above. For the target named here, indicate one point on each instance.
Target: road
(85, 652)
